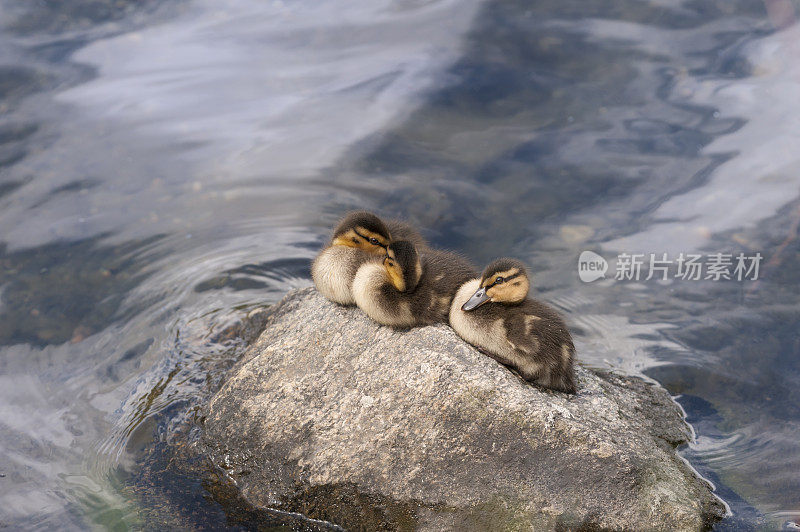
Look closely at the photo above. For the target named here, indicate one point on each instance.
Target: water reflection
(164, 168)
(66, 291)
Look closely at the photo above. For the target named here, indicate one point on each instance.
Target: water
(165, 166)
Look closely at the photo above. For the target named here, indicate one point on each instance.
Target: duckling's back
(443, 273)
(403, 231)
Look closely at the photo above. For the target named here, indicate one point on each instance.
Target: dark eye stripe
(505, 280)
(368, 238)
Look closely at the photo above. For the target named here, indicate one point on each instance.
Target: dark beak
(477, 299)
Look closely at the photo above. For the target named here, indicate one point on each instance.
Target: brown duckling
(359, 237)
(495, 315)
(410, 288)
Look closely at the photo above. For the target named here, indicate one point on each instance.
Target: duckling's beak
(477, 299)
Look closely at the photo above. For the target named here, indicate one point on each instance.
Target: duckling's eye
(499, 280)
(355, 240)
(374, 241)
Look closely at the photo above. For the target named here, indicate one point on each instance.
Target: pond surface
(165, 166)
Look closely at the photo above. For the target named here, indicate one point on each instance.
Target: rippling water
(165, 166)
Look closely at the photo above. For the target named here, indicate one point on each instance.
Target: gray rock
(343, 420)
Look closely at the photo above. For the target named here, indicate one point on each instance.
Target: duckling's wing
(545, 330)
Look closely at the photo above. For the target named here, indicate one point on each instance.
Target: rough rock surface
(336, 417)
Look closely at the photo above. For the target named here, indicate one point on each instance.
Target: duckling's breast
(482, 329)
(335, 268)
(375, 295)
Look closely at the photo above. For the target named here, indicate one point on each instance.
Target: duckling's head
(363, 230)
(403, 265)
(503, 281)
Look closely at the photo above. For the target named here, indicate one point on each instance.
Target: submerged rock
(343, 420)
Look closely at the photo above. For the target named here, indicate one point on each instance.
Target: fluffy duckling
(410, 288)
(359, 237)
(494, 314)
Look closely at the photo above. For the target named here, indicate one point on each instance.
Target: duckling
(409, 288)
(494, 314)
(359, 237)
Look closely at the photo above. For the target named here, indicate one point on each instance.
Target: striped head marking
(505, 281)
(403, 265)
(362, 230)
